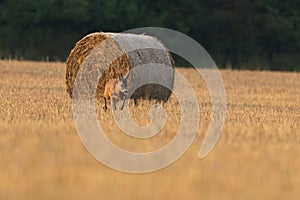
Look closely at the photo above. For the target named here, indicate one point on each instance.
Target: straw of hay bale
(87, 50)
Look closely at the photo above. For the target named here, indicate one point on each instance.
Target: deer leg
(105, 105)
(113, 99)
(121, 108)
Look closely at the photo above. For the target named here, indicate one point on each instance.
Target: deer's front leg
(124, 99)
(114, 102)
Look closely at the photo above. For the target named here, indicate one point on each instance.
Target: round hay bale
(110, 54)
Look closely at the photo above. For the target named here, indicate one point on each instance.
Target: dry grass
(257, 157)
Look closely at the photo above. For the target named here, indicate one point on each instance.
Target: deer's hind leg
(105, 104)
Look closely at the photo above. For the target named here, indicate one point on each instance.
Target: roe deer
(116, 89)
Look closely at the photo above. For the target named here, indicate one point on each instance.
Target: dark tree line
(253, 34)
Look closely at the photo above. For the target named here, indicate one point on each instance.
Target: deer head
(122, 84)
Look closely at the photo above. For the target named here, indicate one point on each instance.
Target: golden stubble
(42, 157)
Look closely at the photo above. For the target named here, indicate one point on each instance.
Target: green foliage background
(252, 34)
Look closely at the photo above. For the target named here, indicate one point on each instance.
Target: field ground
(42, 157)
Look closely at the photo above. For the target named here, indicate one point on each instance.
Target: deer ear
(126, 75)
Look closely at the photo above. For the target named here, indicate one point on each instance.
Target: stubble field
(42, 157)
